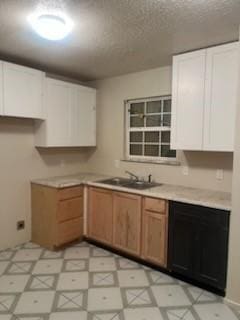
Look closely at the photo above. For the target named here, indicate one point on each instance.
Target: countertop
(203, 197)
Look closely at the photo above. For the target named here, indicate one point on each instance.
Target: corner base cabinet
(198, 243)
(57, 215)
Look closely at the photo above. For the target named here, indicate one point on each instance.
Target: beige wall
(19, 163)
(233, 289)
(110, 135)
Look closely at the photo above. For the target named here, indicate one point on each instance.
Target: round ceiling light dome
(51, 26)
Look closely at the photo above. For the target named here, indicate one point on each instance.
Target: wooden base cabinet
(100, 215)
(57, 215)
(155, 231)
(130, 223)
(127, 222)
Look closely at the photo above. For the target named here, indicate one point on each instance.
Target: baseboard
(232, 303)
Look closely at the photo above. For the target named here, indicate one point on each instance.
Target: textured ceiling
(113, 37)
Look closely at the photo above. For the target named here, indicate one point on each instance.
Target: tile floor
(84, 282)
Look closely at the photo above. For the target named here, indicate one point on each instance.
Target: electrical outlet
(117, 164)
(219, 174)
(20, 225)
(185, 170)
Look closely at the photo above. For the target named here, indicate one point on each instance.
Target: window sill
(162, 162)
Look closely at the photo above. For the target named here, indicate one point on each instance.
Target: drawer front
(156, 205)
(69, 231)
(68, 193)
(70, 209)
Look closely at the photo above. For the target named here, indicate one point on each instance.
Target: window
(148, 128)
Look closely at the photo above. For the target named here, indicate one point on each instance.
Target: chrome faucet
(132, 175)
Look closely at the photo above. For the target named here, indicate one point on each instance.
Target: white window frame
(143, 158)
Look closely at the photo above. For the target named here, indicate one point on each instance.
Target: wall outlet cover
(117, 164)
(20, 225)
(219, 174)
(185, 170)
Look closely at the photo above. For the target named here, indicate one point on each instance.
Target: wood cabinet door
(188, 100)
(127, 222)
(154, 240)
(221, 97)
(23, 91)
(100, 215)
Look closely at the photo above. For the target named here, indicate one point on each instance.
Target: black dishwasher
(198, 243)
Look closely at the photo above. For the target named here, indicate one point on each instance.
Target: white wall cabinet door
(57, 102)
(84, 117)
(221, 97)
(1, 88)
(188, 101)
(22, 91)
(70, 116)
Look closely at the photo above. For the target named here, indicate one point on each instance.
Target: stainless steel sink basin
(130, 183)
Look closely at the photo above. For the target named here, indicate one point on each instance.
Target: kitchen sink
(129, 183)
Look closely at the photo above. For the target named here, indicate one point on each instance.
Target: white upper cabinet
(70, 112)
(221, 97)
(1, 88)
(84, 116)
(204, 99)
(22, 91)
(57, 109)
(188, 100)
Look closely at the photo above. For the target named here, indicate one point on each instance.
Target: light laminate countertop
(202, 197)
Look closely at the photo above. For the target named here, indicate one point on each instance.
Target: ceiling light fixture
(51, 26)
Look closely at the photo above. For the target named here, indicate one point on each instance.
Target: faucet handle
(150, 178)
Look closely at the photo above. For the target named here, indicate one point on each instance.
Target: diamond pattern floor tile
(35, 302)
(20, 268)
(48, 266)
(71, 301)
(73, 281)
(102, 264)
(142, 313)
(41, 282)
(214, 311)
(104, 299)
(16, 283)
(79, 315)
(75, 265)
(170, 295)
(132, 278)
(85, 282)
(27, 255)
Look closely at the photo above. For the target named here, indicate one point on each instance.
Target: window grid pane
(150, 143)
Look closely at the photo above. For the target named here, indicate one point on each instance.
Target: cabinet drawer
(70, 209)
(69, 231)
(68, 193)
(157, 205)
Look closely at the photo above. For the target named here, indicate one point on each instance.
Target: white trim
(230, 302)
